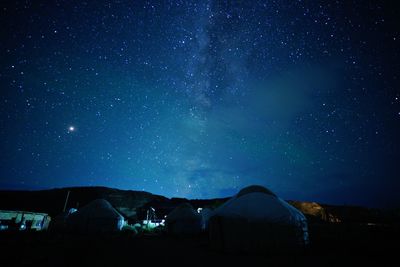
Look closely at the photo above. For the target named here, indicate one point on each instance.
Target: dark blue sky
(200, 98)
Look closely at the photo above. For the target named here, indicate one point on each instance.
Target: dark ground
(331, 245)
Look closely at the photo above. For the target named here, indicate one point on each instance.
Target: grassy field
(331, 245)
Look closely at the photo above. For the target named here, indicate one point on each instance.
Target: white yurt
(97, 216)
(256, 219)
(184, 220)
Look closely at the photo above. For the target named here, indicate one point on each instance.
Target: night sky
(198, 99)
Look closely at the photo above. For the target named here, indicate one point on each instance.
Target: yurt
(184, 220)
(256, 219)
(97, 216)
(205, 217)
(59, 223)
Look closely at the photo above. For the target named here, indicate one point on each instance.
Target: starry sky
(198, 99)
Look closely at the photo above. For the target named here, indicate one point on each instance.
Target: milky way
(198, 99)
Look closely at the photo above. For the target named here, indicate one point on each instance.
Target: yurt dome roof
(255, 189)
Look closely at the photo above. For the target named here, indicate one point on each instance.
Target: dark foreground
(331, 245)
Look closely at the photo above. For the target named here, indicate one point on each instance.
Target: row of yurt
(97, 216)
(252, 220)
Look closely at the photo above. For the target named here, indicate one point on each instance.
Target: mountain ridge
(133, 204)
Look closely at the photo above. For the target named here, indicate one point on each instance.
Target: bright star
(71, 128)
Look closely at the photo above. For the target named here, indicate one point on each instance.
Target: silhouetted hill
(128, 202)
(52, 201)
(134, 204)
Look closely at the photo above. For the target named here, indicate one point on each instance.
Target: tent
(205, 217)
(256, 219)
(184, 220)
(97, 216)
(60, 221)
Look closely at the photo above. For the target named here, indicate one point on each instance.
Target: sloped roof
(99, 208)
(183, 211)
(255, 203)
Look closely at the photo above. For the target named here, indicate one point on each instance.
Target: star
(239, 90)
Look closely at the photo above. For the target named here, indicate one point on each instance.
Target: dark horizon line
(29, 188)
